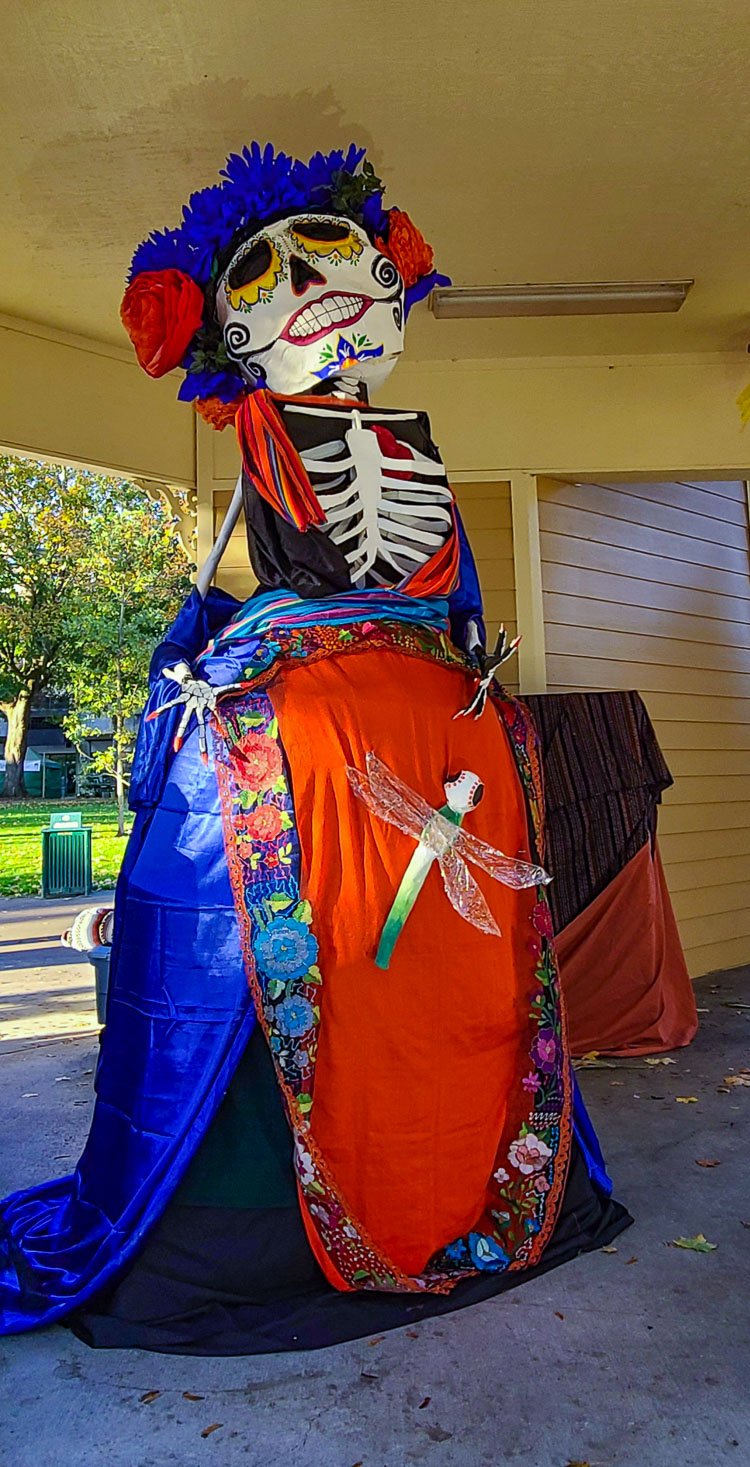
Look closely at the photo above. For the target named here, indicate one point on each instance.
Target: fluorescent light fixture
(604, 299)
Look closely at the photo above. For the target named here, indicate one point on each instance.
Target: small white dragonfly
(440, 838)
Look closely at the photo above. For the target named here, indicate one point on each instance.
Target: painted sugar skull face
(310, 299)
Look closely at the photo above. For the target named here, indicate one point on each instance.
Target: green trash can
(66, 856)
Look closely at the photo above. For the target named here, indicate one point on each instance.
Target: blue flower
(486, 1253)
(285, 948)
(295, 1017)
(457, 1252)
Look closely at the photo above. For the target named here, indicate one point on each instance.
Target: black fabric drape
(604, 775)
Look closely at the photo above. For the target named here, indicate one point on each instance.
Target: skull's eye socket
(322, 229)
(251, 266)
(326, 239)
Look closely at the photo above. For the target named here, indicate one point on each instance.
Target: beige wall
(84, 402)
(647, 586)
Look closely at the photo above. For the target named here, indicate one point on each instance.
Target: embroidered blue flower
(486, 1253)
(285, 949)
(295, 1017)
(458, 1252)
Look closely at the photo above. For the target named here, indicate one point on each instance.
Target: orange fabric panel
(623, 973)
(419, 1066)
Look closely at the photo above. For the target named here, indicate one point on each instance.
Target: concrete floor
(639, 1357)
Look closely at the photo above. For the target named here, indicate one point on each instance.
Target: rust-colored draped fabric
(420, 1068)
(623, 973)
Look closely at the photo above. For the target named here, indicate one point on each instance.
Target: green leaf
(313, 974)
(275, 988)
(279, 901)
(286, 821)
(303, 910)
(699, 1244)
(304, 1102)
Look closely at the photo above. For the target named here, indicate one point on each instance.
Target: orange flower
(161, 312)
(406, 247)
(219, 414)
(257, 760)
(264, 823)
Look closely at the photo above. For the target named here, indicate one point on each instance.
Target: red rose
(219, 414)
(257, 760)
(406, 247)
(264, 824)
(161, 311)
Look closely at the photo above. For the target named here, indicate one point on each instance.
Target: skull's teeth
(321, 314)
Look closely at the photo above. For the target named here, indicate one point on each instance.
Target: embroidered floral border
(281, 950)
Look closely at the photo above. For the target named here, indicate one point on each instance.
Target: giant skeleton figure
(334, 1092)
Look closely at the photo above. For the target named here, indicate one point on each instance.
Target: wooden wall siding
(647, 586)
(485, 509)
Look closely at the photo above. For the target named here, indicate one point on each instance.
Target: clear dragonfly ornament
(440, 837)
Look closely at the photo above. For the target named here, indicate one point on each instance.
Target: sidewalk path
(47, 991)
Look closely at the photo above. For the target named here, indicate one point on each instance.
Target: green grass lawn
(21, 842)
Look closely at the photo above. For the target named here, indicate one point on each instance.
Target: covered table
(623, 970)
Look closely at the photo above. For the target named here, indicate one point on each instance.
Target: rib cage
(386, 526)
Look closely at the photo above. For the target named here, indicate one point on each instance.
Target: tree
(134, 578)
(71, 543)
(42, 539)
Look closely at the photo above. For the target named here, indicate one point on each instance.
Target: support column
(204, 482)
(527, 556)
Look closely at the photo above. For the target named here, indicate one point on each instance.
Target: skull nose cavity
(303, 275)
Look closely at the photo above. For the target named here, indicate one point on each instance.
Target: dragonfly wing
(397, 795)
(504, 868)
(394, 813)
(464, 894)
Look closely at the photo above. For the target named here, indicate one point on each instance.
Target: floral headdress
(168, 309)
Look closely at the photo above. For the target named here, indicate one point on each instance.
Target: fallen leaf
(727, 1003)
(741, 1079)
(368, 1375)
(149, 1396)
(30, 1095)
(558, 1315)
(698, 1244)
(378, 1340)
(189, 1396)
(425, 1402)
(436, 1434)
(631, 1260)
(413, 1334)
(706, 1161)
(686, 1099)
(577, 1464)
(723, 1090)
(617, 1082)
(609, 1249)
(658, 1059)
(59, 1078)
(215, 1426)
